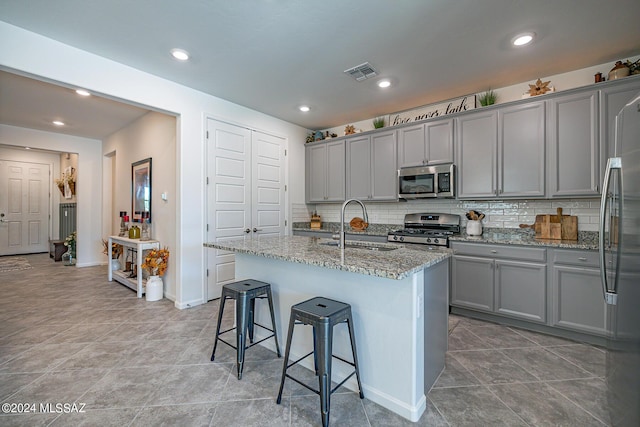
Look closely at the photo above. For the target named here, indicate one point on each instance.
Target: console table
(137, 283)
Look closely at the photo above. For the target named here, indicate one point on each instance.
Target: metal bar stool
(245, 293)
(323, 314)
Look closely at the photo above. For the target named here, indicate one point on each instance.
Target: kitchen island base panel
(394, 336)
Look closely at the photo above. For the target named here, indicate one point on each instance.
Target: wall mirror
(141, 190)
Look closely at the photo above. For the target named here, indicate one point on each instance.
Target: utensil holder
(474, 227)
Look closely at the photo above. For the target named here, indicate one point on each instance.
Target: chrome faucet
(344, 206)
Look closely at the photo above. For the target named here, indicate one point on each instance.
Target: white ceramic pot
(115, 264)
(154, 288)
(474, 228)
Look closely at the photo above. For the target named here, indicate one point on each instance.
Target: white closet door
(268, 201)
(228, 197)
(24, 207)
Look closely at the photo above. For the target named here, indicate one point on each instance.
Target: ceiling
(35, 104)
(274, 55)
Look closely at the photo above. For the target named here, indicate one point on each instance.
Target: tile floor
(67, 335)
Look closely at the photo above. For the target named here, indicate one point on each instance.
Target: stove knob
(395, 237)
(435, 240)
(401, 239)
(428, 240)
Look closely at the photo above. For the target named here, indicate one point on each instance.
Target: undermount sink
(364, 245)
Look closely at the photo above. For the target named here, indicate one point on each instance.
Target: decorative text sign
(457, 105)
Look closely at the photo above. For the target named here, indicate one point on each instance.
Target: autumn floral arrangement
(155, 261)
(116, 249)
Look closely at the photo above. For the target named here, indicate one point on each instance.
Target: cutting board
(558, 227)
(555, 227)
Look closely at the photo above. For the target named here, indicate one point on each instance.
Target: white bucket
(154, 288)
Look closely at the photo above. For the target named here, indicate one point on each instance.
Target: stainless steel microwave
(427, 181)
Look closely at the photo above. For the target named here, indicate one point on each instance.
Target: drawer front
(576, 257)
(500, 251)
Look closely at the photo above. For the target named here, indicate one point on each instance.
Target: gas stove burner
(427, 229)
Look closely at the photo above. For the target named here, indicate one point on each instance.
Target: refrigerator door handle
(610, 296)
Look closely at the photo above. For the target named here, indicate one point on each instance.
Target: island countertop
(395, 264)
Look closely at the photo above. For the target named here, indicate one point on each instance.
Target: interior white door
(267, 187)
(245, 193)
(228, 198)
(24, 207)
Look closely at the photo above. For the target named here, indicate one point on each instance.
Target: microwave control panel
(444, 182)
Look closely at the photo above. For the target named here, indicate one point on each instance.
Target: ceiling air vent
(361, 72)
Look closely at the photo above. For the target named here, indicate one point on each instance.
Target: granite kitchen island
(399, 299)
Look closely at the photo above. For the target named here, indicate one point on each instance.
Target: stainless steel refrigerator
(620, 268)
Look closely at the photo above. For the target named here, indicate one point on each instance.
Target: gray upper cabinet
(501, 152)
(521, 150)
(430, 143)
(476, 157)
(325, 172)
(371, 166)
(612, 99)
(573, 160)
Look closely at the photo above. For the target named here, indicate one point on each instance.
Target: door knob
(247, 230)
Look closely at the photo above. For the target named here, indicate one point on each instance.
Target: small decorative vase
(474, 228)
(619, 71)
(134, 232)
(154, 288)
(115, 264)
(68, 258)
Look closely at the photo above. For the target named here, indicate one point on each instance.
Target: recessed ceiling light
(179, 54)
(523, 39)
(304, 108)
(58, 123)
(82, 92)
(384, 83)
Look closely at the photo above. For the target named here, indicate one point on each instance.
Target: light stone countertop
(587, 240)
(396, 264)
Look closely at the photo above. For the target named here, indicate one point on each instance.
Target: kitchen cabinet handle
(255, 230)
(247, 230)
(582, 258)
(493, 251)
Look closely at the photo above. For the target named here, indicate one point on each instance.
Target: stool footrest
(303, 357)
(250, 345)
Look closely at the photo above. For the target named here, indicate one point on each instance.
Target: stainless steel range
(427, 229)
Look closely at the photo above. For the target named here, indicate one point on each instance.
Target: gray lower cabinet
(504, 280)
(325, 172)
(472, 282)
(578, 304)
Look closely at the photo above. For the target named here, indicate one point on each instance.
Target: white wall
(560, 82)
(26, 52)
(153, 135)
(88, 182)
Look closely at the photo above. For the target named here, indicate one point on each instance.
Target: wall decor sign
(457, 105)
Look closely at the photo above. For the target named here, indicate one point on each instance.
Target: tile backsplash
(499, 213)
